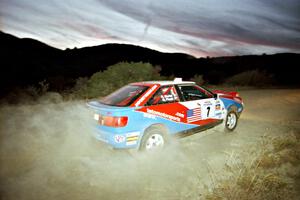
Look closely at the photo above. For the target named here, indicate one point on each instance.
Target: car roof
(176, 81)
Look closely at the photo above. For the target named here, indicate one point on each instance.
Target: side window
(193, 92)
(165, 94)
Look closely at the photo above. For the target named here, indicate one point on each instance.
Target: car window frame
(182, 98)
(158, 90)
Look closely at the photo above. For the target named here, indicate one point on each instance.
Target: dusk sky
(197, 27)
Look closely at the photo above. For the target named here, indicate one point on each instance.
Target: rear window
(124, 96)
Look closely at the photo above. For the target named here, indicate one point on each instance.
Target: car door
(201, 104)
(164, 104)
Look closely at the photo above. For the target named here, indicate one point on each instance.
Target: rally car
(145, 115)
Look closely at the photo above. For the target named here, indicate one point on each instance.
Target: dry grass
(267, 171)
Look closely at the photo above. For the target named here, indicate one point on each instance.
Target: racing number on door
(208, 109)
(197, 97)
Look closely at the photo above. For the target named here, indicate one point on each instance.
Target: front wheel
(154, 138)
(231, 121)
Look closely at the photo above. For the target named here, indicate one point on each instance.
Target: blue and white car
(145, 115)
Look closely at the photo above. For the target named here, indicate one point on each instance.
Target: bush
(21, 95)
(251, 78)
(116, 76)
(198, 79)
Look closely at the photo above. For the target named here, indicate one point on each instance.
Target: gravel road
(46, 152)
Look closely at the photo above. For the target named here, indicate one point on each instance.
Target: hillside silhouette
(26, 62)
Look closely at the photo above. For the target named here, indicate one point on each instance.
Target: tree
(104, 82)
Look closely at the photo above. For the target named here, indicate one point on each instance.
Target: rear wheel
(231, 121)
(154, 138)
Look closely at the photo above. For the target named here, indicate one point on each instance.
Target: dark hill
(27, 61)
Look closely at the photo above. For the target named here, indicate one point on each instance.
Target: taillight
(113, 121)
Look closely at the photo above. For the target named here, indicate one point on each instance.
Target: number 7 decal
(208, 109)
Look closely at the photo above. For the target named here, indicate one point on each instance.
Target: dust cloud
(47, 152)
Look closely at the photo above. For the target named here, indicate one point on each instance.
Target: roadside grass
(268, 170)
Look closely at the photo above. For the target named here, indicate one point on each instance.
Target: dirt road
(46, 152)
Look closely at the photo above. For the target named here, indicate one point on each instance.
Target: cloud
(243, 22)
(208, 27)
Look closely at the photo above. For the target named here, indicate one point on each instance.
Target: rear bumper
(118, 140)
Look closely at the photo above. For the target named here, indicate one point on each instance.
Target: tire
(154, 138)
(231, 121)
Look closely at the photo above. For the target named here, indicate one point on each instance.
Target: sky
(197, 27)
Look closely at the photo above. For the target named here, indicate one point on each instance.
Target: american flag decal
(194, 115)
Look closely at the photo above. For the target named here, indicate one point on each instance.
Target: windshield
(124, 96)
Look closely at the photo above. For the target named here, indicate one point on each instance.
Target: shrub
(26, 94)
(198, 79)
(116, 76)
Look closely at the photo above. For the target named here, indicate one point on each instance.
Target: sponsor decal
(132, 138)
(218, 106)
(167, 98)
(178, 114)
(218, 115)
(137, 133)
(131, 142)
(164, 115)
(207, 103)
(147, 115)
(119, 138)
(194, 115)
(145, 95)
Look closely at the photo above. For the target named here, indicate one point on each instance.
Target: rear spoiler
(96, 105)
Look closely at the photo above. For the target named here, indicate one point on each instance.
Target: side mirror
(215, 96)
